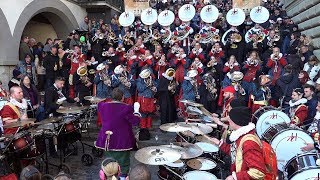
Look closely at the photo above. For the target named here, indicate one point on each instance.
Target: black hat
(240, 115)
(237, 103)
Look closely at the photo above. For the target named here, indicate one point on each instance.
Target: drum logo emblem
(292, 137)
(160, 159)
(274, 116)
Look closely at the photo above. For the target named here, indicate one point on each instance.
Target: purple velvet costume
(117, 117)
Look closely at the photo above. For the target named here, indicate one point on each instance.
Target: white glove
(60, 101)
(136, 107)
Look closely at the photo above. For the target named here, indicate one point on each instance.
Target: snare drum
(273, 130)
(266, 116)
(208, 147)
(70, 124)
(287, 144)
(303, 166)
(21, 144)
(201, 175)
(177, 166)
(202, 164)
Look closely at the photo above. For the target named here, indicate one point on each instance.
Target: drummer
(14, 110)
(54, 97)
(247, 163)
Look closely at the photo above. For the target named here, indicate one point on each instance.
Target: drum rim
(207, 143)
(303, 169)
(299, 155)
(205, 172)
(288, 128)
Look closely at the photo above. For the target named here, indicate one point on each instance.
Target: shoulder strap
(247, 137)
(14, 108)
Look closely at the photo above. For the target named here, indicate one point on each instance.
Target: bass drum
(303, 166)
(272, 131)
(265, 116)
(288, 143)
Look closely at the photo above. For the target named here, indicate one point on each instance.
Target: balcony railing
(117, 5)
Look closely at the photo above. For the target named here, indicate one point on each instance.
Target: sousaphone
(209, 13)
(259, 14)
(235, 16)
(186, 12)
(149, 16)
(165, 19)
(126, 19)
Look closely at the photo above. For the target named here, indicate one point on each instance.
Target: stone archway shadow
(59, 15)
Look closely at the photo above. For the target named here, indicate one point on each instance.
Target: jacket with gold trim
(251, 165)
(298, 111)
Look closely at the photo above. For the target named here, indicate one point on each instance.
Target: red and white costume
(276, 67)
(75, 63)
(231, 67)
(180, 65)
(298, 111)
(197, 54)
(247, 163)
(251, 66)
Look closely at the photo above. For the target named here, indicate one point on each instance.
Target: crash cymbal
(175, 127)
(50, 120)
(88, 98)
(157, 155)
(72, 109)
(93, 99)
(20, 123)
(191, 103)
(187, 150)
(196, 128)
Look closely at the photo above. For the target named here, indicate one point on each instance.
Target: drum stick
(212, 125)
(173, 172)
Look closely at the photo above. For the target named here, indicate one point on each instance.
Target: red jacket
(252, 161)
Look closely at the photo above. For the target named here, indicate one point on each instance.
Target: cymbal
(93, 99)
(19, 123)
(157, 155)
(196, 128)
(72, 109)
(175, 127)
(50, 120)
(191, 103)
(187, 150)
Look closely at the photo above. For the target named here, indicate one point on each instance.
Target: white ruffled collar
(21, 105)
(241, 131)
(235, 64)
(182, 56)
(300, 101)
(167, 77)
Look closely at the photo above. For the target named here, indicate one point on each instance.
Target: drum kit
(192, 155)
(287, 142)
(30, 142)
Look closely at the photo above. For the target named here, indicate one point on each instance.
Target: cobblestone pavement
(81, 172)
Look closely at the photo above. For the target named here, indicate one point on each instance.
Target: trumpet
(105, 53)
(260, 38)
(105, 78)
(70, 51)
(174, 39)
(276, 37)
(156, 36)
(142, 57)
(216, 38)
(161, 63)
(119, 49)
(112, 36)
(101, 36)
(211, 63)
(197, 37)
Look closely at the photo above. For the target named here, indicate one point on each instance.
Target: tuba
(236, 37)
(210, 85)
(83, 73)
(170, 72)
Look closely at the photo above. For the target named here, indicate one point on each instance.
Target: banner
(136, 6)
(246, 5)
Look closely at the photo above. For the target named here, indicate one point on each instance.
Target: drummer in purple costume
(117, 120)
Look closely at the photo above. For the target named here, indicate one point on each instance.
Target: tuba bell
(237, 37)
(82, 71)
